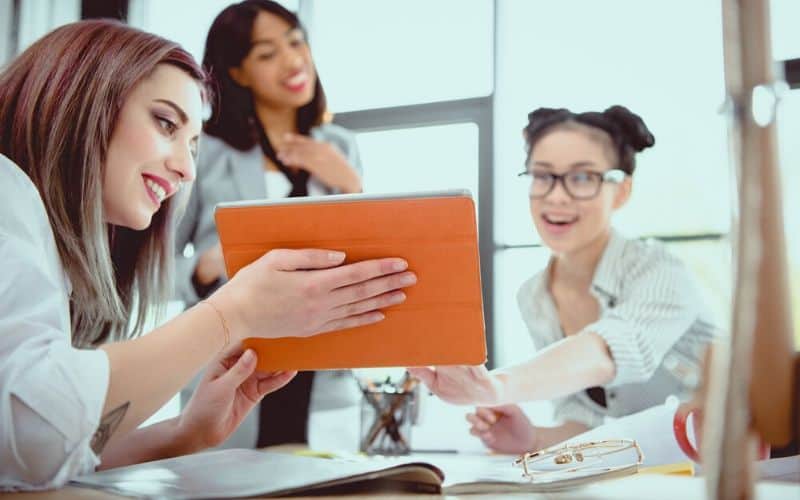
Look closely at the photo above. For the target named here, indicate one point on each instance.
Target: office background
(439, 90)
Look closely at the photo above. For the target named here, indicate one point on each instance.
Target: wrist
(224, 301)
(535, 441)
(185, 441)
(500, 383)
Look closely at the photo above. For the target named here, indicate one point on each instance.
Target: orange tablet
(441, 321)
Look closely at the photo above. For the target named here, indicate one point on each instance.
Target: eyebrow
(181, 112)
(577, 164)
(270, 41)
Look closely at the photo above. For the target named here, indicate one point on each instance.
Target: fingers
(487, 415)
(371, 304)
(223, 362)
(238, 373)
(295, 149)
(486, 436)
(483, 419)
(352, 322)
(365, 295)
(478, 372)
(293, 260)
(273, 382)
(361, 272)
(478, 423)
(426, 374)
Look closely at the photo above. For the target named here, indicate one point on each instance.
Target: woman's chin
(557, 244)
(138, 222)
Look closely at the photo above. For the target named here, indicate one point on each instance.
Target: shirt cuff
(633, 356)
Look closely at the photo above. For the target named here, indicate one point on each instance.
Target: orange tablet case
(441, 321)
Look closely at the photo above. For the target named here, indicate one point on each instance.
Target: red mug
(679, 428)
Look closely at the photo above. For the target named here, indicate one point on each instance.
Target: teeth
(560, 220)
(156, 189)
(297, 79)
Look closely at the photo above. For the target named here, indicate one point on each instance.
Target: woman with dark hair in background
(267, 138)
(99, 125)
(619, 324)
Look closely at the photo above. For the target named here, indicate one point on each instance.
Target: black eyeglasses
(579, 185)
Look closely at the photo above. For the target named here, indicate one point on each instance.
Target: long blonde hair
(59, 103)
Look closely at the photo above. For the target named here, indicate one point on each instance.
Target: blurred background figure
(267, 137)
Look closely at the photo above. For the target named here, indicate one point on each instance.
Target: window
(786, 45)
(789, 157)
(422, 158)
(785, 35)
(391, 53)
(38, 18)
(195, 17)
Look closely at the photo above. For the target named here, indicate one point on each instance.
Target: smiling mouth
(559, 220)
(156, 190)
(297, 81)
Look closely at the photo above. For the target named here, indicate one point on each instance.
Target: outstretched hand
(460, 385)
(299, 293)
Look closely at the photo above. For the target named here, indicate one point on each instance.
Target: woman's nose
(559, 192)
(182, 163)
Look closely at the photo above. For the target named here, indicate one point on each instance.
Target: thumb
(293, 260)
(509, 408)
(243, 368)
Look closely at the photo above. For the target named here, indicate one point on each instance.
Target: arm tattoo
(108, 424)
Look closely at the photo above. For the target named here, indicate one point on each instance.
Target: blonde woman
(99, 126)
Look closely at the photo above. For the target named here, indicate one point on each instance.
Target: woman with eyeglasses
(618, 324)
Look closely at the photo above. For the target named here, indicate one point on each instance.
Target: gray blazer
(227, 174)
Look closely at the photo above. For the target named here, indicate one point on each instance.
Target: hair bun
(540, 115)
(544, 117)
(632, 127)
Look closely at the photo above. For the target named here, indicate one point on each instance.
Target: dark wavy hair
(627, 131)
(233, 118)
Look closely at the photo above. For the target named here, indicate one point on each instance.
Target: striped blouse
(651, 317)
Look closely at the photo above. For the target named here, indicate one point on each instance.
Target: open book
(243, 473)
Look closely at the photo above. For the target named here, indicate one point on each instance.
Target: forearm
(565, 367)
(154, 442)
(147, 371)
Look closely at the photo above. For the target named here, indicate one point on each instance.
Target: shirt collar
(606, 281)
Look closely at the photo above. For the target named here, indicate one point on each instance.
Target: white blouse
(51, 394)
(278, 186)
(651, 317)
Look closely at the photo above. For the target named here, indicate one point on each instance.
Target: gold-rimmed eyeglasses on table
(574, 457)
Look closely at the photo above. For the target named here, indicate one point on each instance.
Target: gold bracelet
(222, 320)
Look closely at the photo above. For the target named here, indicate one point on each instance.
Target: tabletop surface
(655, 487)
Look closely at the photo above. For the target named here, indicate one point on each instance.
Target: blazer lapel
(247, 170)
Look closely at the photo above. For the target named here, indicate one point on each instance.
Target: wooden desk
(644, 487)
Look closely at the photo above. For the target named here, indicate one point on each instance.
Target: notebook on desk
(246, 473)
(441, 321)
